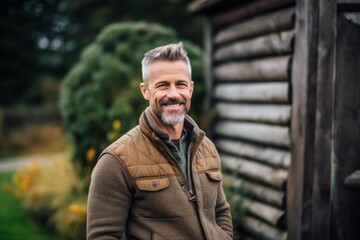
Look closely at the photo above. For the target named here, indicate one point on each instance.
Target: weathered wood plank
(265, 212)
(277, 92)
(353, 181)
(268, 69)
(272, 156)
(321, 188)
(263, 113)
(248, 10)
(262, 211)
(272, 22)
(303, 79)
(261, 133)
(261, 230)
(346, 144)
(255, 171)
(271, 44)
(258, 191)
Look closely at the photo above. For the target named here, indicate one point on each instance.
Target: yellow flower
(116, 125)
(90, 155)
(78, 209)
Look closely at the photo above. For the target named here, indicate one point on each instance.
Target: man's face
(169, 91)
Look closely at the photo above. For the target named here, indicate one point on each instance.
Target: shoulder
(129, 138)
(207, 156)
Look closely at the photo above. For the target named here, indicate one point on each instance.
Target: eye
(162, 85)
(182, 84)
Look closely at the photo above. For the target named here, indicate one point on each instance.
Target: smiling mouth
(171, 103)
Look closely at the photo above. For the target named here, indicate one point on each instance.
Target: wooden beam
(253, 92)
(248, 10)
(272, 22)
(270, 214)
(258, 191)
(271, 44)
(353, 181)
(255, 171)
(261, 113)
(262, 133)
(275, 157)
(261, 230)
(268, 69)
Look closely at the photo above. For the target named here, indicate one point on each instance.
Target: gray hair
(170, 52)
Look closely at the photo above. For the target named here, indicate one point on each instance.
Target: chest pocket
(214, 175)
(153, 185)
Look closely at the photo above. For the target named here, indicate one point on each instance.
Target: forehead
(169, 70)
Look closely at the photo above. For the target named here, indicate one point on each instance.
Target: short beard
(173, 120)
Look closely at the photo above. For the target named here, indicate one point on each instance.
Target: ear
(144, 91)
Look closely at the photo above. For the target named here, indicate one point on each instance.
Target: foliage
(101, 95)
(42, 39)
(54, 195)
(70, 220)
(14, 223)
(22, 62)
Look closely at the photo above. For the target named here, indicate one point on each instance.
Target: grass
(14, 224)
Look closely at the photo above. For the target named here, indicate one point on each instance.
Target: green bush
(101, 92)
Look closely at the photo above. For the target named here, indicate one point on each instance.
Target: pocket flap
(215, 175)
(152, 185)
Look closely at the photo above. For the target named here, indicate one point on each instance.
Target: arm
(109, 199)
(222, 213)
(222, 210)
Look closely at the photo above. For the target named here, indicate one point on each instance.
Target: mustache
(172, 101)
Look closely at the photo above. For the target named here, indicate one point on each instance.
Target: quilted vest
(146, 156)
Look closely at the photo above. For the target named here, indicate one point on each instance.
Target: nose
(173, 92)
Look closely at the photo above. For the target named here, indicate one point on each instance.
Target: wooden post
(346, 202)
(304, 72)
(321, 186)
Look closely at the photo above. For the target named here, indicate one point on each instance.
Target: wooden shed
(284, 80)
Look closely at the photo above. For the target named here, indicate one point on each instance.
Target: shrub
(70, 220)
(102, 92)
(54, 195)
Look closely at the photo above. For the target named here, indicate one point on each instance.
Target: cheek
(156, 96)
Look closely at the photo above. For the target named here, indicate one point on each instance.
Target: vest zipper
(193, 197)
(191, 153)
(184, 181)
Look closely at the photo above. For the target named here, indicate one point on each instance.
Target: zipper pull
(182, 185)
(193, 198)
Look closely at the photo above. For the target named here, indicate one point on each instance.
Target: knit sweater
(138, 190)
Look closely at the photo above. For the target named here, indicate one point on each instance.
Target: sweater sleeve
(222, 211)
(223, 215)
(109, 199)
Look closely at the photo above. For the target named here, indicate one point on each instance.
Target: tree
(102, 89)
(42, 39)
(24, 58)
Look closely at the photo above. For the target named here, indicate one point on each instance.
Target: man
(162, 179)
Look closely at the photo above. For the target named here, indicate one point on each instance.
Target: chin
(173, 120)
